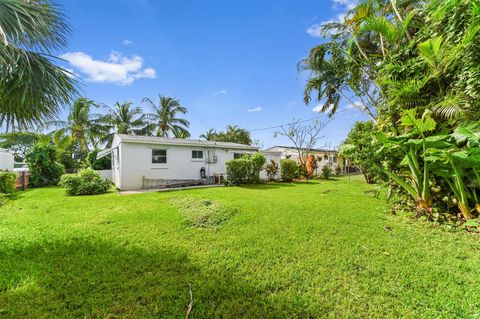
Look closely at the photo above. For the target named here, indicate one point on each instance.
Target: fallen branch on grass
(190, 305)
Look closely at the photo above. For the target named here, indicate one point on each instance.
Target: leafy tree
(304, 137)
(32, 86)
(166, 122)
(20, 143)
(232, 134)
(43, 163)
(359, 148)
(235, 134)
(99, 164)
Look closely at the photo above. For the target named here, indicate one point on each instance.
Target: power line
(302, 121)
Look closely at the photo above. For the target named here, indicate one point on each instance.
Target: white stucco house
(324, 157)
(6, 160)
(150, 162)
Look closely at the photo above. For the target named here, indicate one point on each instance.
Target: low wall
(105, 173)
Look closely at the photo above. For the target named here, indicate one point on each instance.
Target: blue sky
(230, 62)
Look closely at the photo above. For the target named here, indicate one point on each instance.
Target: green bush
(99, 164)
(288, 170)
(238, 171)
(301, 171)
(42, 161)
(327, 171)
(245, 170)
(87, 182)
(7, 182)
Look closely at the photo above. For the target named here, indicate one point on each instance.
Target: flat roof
(124, 138)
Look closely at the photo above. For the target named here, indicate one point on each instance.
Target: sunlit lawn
(310, 250)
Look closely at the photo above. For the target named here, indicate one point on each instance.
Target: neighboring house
(150, 162)
(6, 160)
(324, 157)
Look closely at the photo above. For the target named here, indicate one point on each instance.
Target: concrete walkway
(166, 189)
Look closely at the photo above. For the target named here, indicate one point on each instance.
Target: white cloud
(117, 69)
(357, 105)
(318, 108)
(342, 6)
(255, 109)
(127, 42)
(221, 92)
(347, 4)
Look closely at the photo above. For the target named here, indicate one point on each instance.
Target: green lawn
(317, 250)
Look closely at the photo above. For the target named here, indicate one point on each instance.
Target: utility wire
(302, 121)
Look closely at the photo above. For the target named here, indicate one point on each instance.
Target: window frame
(165, 156)
(197, 158)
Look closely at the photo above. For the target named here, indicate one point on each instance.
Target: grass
(324, 249)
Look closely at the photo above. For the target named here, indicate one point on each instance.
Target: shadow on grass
(269, 185)
(87, 278)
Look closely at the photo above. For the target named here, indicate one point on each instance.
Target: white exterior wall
(105, 173)
(293, 154)
(136, 163)
(6, 161)
(271, 156)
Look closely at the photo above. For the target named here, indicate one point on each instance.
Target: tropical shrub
(42, 162)
(288, 170)
(245, 170)
(358, 147)
(87, 182)
(413, 69)
(238, 171)
(7, 182)
(71, 156)
(271, 169)
(99, 164)
(327, 171)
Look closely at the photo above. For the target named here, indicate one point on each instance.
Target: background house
(324, 157)
(150, 162)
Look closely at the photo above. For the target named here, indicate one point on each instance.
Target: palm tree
(82, 126)
(210, 135)
(32, 86)
(123, 118)
(165, 117)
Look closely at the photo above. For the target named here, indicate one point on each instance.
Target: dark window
(237, 155)
(197, 154)
(335, 159)
(159, 156)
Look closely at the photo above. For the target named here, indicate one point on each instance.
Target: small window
(159, 156)
(237, 155)
(197, 154)
(335, 159)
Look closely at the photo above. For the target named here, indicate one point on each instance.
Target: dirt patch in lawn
(203, 213)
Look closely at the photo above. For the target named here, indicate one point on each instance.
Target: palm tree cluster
(89, 130)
